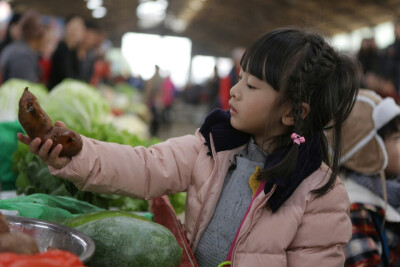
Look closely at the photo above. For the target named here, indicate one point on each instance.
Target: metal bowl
(50, 235)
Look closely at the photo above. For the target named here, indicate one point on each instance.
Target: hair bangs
(268, 57)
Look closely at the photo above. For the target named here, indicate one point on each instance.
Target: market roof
(217, 26)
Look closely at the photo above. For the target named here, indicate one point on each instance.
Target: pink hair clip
(297, 139)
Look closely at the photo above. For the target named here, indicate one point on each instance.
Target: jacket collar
(225, 137)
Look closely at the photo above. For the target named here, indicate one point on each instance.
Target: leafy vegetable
(10, 93)
(178, 201)
(77, 104)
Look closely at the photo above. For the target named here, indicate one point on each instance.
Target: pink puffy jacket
(305, 231)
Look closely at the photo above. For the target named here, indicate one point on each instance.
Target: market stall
(112, 114)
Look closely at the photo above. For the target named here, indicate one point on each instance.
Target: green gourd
(125, 239)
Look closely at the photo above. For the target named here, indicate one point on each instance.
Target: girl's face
(392, 144)
(255, 106)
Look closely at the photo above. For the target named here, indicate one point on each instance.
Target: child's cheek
(393, 151)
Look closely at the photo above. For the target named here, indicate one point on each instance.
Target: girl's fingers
(55, 160)
(34, 145)
(24, 138)
(55, 153)
(59, 124)
(44, 149)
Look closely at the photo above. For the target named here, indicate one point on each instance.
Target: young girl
(259, 190)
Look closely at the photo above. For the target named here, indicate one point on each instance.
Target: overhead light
(151, 13)
(5, 11)
(181, 21)
(196, 5)
(176, 24)
(93, 4)
(99, 12)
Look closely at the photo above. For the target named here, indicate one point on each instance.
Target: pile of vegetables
(10, 93)
(83, 109)
(77, 104)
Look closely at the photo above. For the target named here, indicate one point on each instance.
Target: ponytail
(348, 77)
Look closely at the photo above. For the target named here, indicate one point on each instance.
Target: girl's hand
(52, 157)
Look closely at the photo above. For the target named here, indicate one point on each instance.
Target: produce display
(83, 109)
(10, 93)
(122, 238)
(37, 123)
(19, 249)
(125, 240)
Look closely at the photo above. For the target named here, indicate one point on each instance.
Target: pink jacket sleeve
(139, 172)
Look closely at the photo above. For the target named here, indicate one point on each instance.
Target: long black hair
(304, 68)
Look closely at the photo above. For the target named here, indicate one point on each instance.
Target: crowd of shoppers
(31, 51)
(381, 67)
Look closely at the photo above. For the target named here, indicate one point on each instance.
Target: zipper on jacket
(214, 153)
(262, 204)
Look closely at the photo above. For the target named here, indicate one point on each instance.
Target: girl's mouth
(233, 111)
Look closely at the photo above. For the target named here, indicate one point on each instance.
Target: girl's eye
(395, 137)
(250, 86)
(239, 78)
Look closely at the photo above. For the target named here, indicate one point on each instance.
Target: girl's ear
(287, 117)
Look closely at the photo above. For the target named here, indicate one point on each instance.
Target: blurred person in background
(391, 64)
(20, 59)
(232, 78)
(50, 42)
(368, 55)
(152, 98)
(88, 51)
(136, 81)
(212, 87)
(371, 175)
(13, 31)
(167, 99)
(64, 61)
(101, 67)
(379, 68)
(101, 71)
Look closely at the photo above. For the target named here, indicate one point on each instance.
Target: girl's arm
(139, 172)
(324, 231)
(164, 168)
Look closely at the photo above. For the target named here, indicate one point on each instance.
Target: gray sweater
(232, 205)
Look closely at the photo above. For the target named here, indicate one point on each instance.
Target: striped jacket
(369, 246)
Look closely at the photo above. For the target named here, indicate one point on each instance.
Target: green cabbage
(10, 93)
(80, 106)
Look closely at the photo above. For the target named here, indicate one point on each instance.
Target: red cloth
(168, 91)
(224, 95)
(45, 66)
(165, 215)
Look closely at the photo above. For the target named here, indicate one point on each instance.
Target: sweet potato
(37, 123)
(4, 228)
(18, 242)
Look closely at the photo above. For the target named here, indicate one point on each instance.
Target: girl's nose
(233, 92)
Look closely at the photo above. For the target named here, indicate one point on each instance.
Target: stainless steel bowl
(51, 235)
